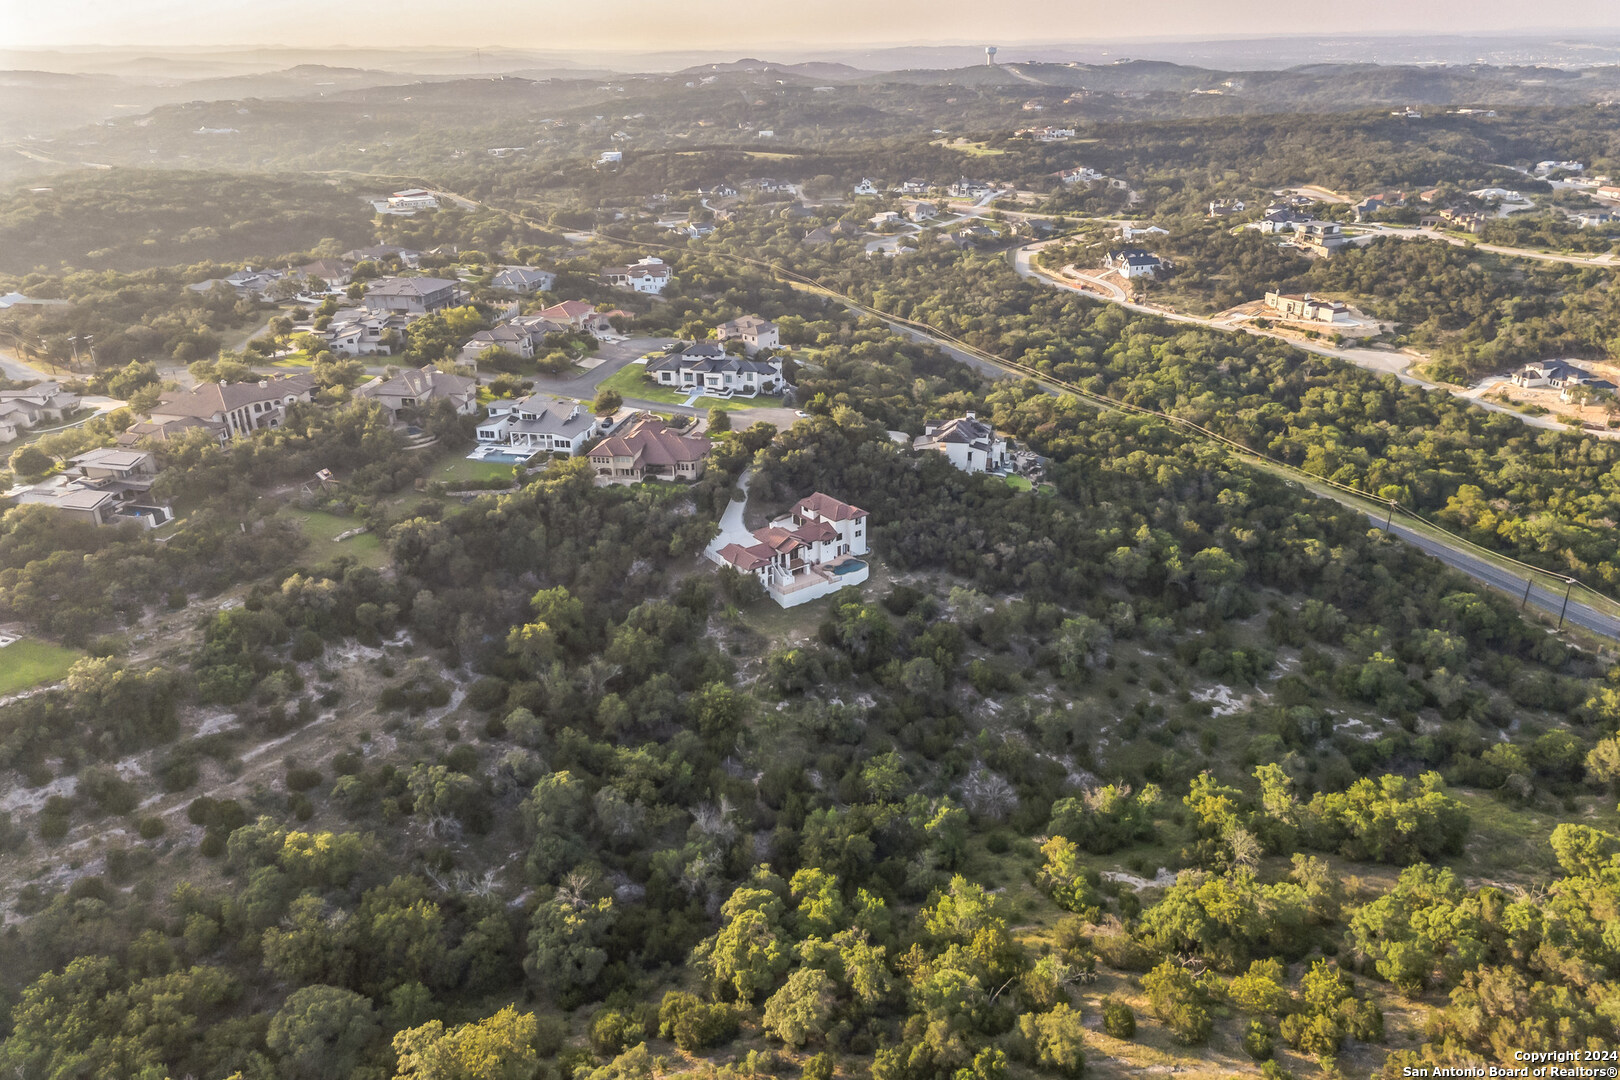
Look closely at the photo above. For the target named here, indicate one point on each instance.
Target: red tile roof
(825, 506)
(745, 559)
(650, 442)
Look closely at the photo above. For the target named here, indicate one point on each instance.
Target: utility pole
(1391, 518)
(1569, 585)
(1529, 581)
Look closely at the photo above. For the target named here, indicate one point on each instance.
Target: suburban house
(754, 332)
(648, 275)
(610, 157)
(1133, 263)
(411, 200)
(575, 315)
(1558, 374)
(1608, 191)
(229, 410)
(650, 448)
(382, 253)
(539, 422)
(1467, 220)
(1129, 232)
(968, 189)
(966, 442)
(1281, 219)
(411, 296)
(707, 366)
(1051, 134)
(885, 217)
(248, 284)
(1589, 218)
(721, 190)
(524, 280)
(1080, 175)
(1382, 201)
(102, 487)
(42, 403)
(1544, 167)
(1225, 207)
(810, 552)
(915, 186)
(866, 187)
(922, 212)
(514, 338)
(335, 272)
(361, 332)
(1324, 236)
(1307, 308)
(821, 235)
(411, 390)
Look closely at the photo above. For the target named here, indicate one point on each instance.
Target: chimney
(972, 416)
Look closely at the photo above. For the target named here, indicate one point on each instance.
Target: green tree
(799, 1011)
(565, 938)
(1057, 1038)
(322, 1032)
(29, 461)
(499, 1047)
(1180, 1001)
(607, 402)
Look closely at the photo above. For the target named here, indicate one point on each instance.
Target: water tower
(989, 56)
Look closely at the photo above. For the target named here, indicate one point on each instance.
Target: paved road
(1374, 230)
(1459, 558)
(1385, 363)
(1543, 594)
(616, 356)
(16, 369)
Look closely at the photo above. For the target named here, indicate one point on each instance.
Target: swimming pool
(848, 566)
(500, 456)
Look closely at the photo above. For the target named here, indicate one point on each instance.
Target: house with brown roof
(811, 551)
(650, 448)
(411, 296)
(648, 275)
(1307, 308)
(411, 390)
(229, 410)
(335, 272)
(579, 315)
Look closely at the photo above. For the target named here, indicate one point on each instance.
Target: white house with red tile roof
(648, 275)
(810, 552)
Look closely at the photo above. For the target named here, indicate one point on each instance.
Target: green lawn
(320, 528)
(632, 382)
(460, 468)
(28, 663)
(1020, 483)
(297, 359)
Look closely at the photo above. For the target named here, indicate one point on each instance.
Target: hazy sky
(728, 24)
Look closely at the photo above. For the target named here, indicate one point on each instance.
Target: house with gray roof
(708, 367)
(524, 280)
(412, 390)
(540, 422)
(966, 442)
(411, 296)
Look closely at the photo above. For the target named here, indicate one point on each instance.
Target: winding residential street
(1385, 363)
(1374, 230)
(1518, 584)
